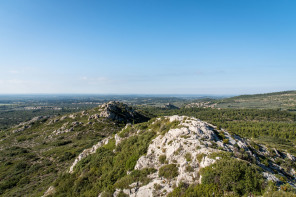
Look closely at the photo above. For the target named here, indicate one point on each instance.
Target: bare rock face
(120, 112)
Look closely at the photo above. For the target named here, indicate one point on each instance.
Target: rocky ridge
(25, 125)
(190, 147)
(112, 110)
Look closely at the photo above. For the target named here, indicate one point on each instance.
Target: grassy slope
(107, 169)
(277, 100)
(30, 160)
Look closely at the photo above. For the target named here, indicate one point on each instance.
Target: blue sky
(147, 46)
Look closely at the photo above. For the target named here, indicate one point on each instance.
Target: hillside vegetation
(117, 150)
(274, 128)
(35, 152)
(178, 156)
(279, 100)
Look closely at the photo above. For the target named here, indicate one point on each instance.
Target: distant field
(280, 100)
(19, 108)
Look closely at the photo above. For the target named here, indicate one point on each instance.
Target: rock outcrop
(35, 119)
(170, 106)
(190, 147)
(120, 112)
(50, 191)
(186, 146)
(26, 125)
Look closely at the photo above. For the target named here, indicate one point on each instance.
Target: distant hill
(277, 100)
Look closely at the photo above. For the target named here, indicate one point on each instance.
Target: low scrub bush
(168, 171)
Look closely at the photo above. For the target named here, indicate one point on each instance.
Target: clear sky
(147, 46)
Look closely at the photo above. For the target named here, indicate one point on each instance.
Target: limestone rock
(291, 157)
(50, 191)
(73, 116)
(270, 177)
(178, 146)
(94, 116)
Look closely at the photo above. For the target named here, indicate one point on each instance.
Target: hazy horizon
(115, 95)
(147, 47)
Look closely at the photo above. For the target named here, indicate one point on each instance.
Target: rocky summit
(188, 148)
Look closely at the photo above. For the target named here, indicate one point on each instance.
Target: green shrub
(279, 194)
(131, 162)
(223, 154)
(62, 143)
(179, 191)
(199, 157)
(157, 187)
(168, 171)
(188, 157)
(255, 146)
(288, 188)
(125, 132)
(135, 176)
(106, 194)
(20, 167)
(189, 168)
(233, 175)
(208, 190)
(177, 152)
(265, 162)
(225, 141)
(67, 156)
(162, 159)
(121, 194)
